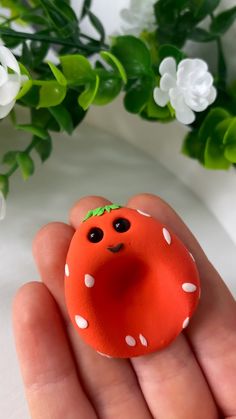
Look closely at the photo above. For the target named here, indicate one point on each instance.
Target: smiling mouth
(115, 249)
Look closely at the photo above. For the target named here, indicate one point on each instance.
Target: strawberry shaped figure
(131, 285)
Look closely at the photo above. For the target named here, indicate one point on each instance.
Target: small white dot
(185, 322)
(67, 272)
(81, 322)
(143, 213)
(189, 287)
(143, 340)
(130, 340)
(192, 256)
(102, 354)
(166, 235)
(89, 280)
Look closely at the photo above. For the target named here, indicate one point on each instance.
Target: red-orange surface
(136, 300)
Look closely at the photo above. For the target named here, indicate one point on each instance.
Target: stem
(222, 69)
(34, 37)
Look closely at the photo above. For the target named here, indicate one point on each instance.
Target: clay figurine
(131, 286)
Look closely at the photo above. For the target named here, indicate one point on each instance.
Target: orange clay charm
(131, 286)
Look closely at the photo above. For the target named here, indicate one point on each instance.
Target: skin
(64, 378)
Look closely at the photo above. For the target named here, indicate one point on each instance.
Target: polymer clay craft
(131, 285)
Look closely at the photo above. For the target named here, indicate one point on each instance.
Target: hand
(195, 377)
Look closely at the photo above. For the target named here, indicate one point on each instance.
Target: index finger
(212, 330)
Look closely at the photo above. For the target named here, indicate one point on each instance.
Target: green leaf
(4, 185)
(24, 70)
(133, 55)
(26, 86)
(192, 146)
(51, 94)
(215, 116)
(44, 148)
(85, 8)
(25, 164)
(230, 153)
(115, 63)
(214, 156)
(170, 51)
(9, 158)
(138, 94)
(35, 130)
(96, 24)
(221, 129)
(77, 69)
(109, 88)
(71, 103)
(31, 98)
(60, 78)
(155, 112)
(222, 22)
(201, 35)
(87, 97)
(63, 118)
(230, 134)
(202, 8)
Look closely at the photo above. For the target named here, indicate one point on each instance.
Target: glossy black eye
(121, 225)
(95, 235)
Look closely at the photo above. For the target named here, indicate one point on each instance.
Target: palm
(64, 378)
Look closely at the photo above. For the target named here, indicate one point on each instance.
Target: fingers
(46, 361)
(173, 383)
(212, 330)
(110, 383)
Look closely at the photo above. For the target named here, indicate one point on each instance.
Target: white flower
(188, 87)
(138, 17)
(10, 84)
(2, 206)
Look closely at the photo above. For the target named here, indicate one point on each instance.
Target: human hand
(195, 377)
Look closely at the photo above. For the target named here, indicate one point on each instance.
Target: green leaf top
(100, 211)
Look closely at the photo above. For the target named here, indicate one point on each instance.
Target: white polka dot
(102, 354)
(89, 280)
(81, 322)
(192, 256)
(166, 235)
(143, 340)
(67, 272)
(143, 213)
(189, 287)
(130, 340)
(185, 322)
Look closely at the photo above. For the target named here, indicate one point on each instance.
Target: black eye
(121, 225)
(95, 235)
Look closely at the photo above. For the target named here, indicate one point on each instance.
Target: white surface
(91, 162)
